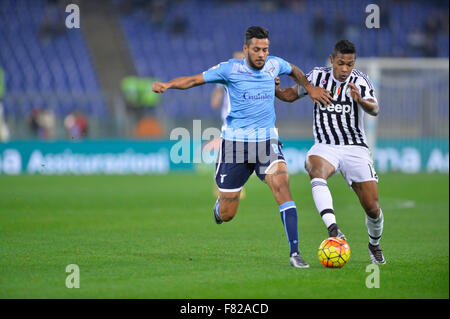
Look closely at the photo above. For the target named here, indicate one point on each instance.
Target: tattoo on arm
(287, 94)
(299, 77)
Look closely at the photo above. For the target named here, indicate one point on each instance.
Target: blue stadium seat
(59, 65)
(204, 45)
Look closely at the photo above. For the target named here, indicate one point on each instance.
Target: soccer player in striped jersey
(249, 130)
(340, 141)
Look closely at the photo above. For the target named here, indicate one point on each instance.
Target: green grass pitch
(154, 237)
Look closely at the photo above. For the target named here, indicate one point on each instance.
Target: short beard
(250, 62)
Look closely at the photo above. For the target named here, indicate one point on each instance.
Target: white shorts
(354, 162)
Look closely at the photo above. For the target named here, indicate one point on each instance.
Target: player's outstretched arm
(317, 94)
(180, 83)
(369, 105)
(287, 94)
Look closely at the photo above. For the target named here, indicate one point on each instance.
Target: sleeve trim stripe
(364, 76)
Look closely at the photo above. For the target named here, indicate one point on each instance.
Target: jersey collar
(244, 61)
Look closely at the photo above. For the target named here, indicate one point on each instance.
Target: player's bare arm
(317, 94)
(369, 105)
(180, 83)
(287, 94)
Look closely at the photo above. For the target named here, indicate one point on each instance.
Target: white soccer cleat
(297, 261)
(216, 215)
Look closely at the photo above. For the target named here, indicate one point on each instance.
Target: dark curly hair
(255, 32)
(343, 46)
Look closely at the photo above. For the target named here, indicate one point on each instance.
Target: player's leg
(357, 169)
(367, 193)
(275, 174)
(231, 175)
(226, 206)
(320, 165)
(277, 179)
(230, 181)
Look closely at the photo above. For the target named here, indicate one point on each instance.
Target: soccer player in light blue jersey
(249, 137)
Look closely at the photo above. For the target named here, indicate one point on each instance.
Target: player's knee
(227, 214)
(308, 167)
(228, 207)
(280, 185)
(372, 209)
(315, 172)
(318, 169)
(281, 192)
(283, 188)
(227, 218)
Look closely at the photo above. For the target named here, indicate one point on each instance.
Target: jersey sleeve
(284, 66)
(218, 73)
(301, 90)
(365, 86)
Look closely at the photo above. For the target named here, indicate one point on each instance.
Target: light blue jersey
(251, 94)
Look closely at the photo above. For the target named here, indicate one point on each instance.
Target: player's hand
(277, 83)
(354, 92)
(159, 87)
(319, 95)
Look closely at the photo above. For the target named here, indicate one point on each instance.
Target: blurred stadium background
(79, 100)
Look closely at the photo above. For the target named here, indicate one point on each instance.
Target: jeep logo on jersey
(336, 108)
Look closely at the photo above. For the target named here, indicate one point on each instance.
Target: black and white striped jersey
(341, 123)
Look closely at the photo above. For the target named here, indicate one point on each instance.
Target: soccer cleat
(297, 261)
(216, 215)
(376, 256)
(340, 235)
(334, 231)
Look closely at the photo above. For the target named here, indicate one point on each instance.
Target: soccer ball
(334, 252)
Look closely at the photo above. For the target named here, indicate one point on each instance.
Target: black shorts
(238, 160)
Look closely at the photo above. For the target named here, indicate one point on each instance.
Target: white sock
(328, 217)
(323, 200)
(375, 228)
